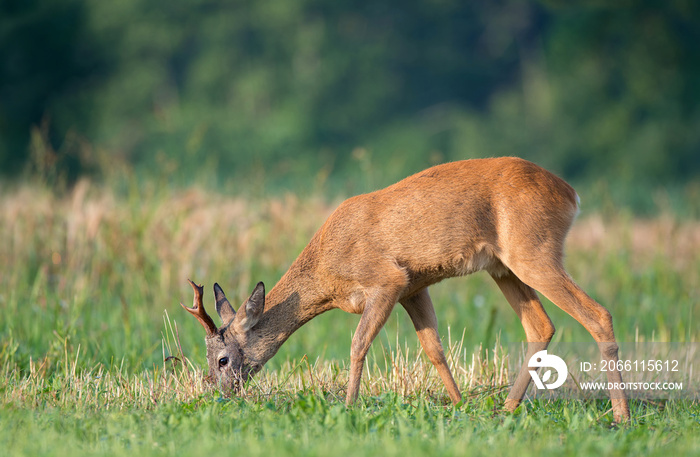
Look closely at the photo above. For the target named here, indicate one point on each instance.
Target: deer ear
(249, 314)
(223, 307)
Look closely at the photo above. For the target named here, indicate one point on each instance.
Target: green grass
(87, 278)
(309, 423)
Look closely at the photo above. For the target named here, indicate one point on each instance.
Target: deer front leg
(377, 310)
(422, 312)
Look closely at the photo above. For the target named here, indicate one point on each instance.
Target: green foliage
(305, 88)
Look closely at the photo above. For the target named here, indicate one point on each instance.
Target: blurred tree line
(589, 88)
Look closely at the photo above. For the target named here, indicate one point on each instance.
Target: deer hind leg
(538, 329)
(378, 306)
(557, 286)
(422, 312)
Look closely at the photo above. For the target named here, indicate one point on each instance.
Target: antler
(198, 310)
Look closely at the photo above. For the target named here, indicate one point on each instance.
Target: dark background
(349, 95)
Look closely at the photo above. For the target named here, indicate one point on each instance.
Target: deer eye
(223, 361)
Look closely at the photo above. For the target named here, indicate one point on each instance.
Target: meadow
(98, 358)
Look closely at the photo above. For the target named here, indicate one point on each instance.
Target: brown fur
(506, 216)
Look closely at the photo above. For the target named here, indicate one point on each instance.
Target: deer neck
(293, 302)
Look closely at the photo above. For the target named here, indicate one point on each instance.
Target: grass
(89, 288)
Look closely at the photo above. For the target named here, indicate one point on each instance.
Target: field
(90, 282)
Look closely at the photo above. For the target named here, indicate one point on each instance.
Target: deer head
(230, 363)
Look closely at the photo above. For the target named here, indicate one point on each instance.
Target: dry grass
(74, 385)
(80, 237)
(666, 237)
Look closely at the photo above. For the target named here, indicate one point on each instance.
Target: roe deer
(505, 215)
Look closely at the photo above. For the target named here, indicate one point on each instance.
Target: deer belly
(469, 262)
(355, 302)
